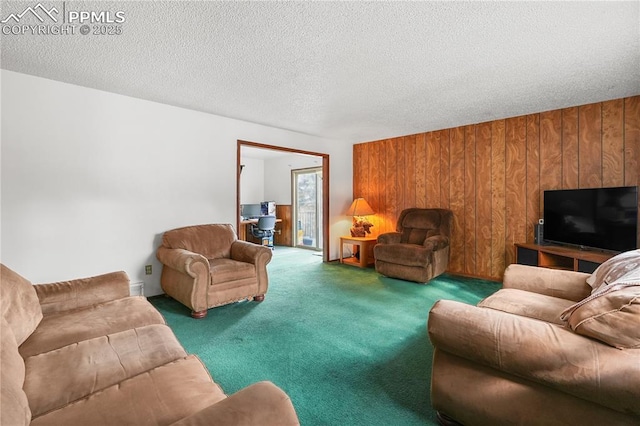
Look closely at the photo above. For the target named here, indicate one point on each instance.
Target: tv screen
(599, 218)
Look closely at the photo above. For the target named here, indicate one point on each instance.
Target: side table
(365, 248)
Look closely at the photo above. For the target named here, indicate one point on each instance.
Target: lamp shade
(360, 207)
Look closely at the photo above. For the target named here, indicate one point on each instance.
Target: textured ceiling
(353, 71)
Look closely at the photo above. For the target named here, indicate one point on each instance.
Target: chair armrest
(437, 242)
(568, 285)
(79, 293)
(182, 260)
(260, 404)
(538, 351)
(247, 252)
(389, 238)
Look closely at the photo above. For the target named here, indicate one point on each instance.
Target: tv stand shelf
(559, 257)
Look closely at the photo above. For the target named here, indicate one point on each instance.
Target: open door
(322, 193)
(307, 207)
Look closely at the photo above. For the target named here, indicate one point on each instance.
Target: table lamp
(359, 209)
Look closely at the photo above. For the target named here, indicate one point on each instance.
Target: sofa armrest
(262, 403)
(389, 238)
(182, 260)
(568, 285)
(247, 252)
(538, 351)
(185, 276)
(79, 293)
(437, 242)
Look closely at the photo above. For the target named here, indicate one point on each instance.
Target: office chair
(265, 230)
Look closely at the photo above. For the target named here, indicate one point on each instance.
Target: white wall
(270, 179)
(91, 180)
(277, 175)
(252, 181)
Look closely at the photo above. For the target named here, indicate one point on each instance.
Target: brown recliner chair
(419, 249)
(205, 266)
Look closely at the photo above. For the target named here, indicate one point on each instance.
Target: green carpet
(349, 347)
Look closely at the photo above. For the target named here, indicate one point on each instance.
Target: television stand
(560, 257)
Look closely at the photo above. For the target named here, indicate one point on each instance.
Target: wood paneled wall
(492, 175)
(284, 237)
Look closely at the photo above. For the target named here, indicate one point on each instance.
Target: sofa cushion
(80, 369)
(58, 330)
(14, 406)
(611, 316)
(19, 304)
(527, 304)
(422, 219)
(419, 224)
(625, 267)
(240, 409)
(82, 292)
(403, 254)
(413, 235)
(157, 397)
(212, 241)
(225, 270)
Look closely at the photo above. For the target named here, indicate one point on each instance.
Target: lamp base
(361, 227)
(357, 232)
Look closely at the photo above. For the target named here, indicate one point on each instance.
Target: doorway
(306, 187)
(322, 215)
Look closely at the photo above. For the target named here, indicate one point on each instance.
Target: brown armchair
(205, 266)
(419, 249)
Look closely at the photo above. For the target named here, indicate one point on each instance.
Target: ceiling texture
(351, 71)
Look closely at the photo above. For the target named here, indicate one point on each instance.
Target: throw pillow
(624, 267)
(611, 313)
(611, 316)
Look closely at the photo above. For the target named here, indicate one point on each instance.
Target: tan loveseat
(205, 266)
(83, 352)
(542, 350)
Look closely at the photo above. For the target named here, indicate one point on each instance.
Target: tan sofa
(205, 266)
(83, 352)
(419, 248)
(543, 350)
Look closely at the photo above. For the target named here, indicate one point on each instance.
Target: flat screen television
(593, 218)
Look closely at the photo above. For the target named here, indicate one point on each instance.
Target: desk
(242, 231)
(365, 248)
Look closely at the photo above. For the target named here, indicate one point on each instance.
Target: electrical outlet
(147, 269)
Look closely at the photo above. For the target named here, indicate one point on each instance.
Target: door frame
(325, 185)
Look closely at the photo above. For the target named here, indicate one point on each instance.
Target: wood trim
(325, 185)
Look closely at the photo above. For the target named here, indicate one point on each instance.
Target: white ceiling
(354, 71)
